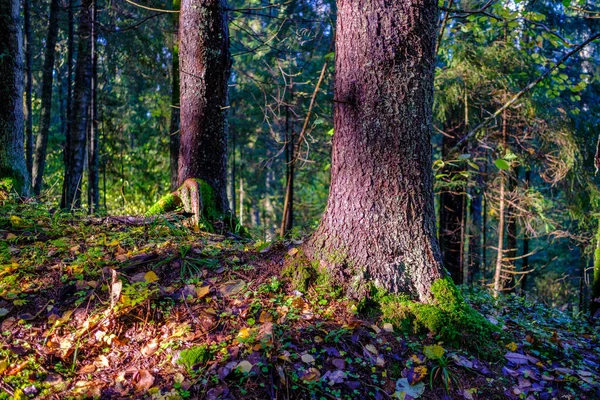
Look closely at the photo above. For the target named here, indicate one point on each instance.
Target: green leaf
(502, 164)
(329, 56)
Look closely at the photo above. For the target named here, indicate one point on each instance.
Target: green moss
(449, 316)
(300, 271)
(195, 356)
(167, 203)
(303, 274)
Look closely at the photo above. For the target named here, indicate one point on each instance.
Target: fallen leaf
(311, 375)
(202, 291)
(403, 389)
(516, 358)
(145, 380)
(244, 366)
(265, 316)
(150, 277)
(371, 349)
(434, 352)
(233, 287)
(388, 327)
(307, 358)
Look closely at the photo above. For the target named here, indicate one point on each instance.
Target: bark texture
(379, 225)
(12, 149)
(204, 63)
(174, 124)
(76, 142)
(41, 143)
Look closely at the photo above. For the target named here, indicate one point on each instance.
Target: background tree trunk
(204, 72)
(174, 124)
(93, 179)
(28, 87)
(380, 219)
(451, 218)
(41, 143)
(76, 145)
(12, 149)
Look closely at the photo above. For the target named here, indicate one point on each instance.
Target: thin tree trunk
(76, 146)
(595, 300)
(28, 87)
(379, 225)
(451, 218)
(525, 264)
(233, 171)
(13, 169)
(288, 199)
(241, 213)
(70, 50)
(41, 144)
(498, 283)
(175, 94)
(93, 179)
(204, 72)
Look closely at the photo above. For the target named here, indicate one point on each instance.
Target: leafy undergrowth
(115, 308)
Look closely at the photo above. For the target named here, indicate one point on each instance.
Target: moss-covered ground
(122, 308)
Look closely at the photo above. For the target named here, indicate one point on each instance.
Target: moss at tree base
(197, 197)
(449, 316)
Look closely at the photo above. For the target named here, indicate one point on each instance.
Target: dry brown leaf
(145, 380)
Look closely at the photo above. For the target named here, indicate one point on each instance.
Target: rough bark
(41, 143)
(379, 225)
(13, 170)
(28, 87)
(174, 123)
(204, 63)
(76, 143)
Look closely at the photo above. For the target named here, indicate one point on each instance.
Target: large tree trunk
(28, 87)
(204, 63)
(379, 225)
(174, 125)
(76, 143)
(13, 170)
(41, 143)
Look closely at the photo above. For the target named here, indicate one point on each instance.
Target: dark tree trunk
(28, 87)
(379, 225)
(93, 189)
(525, 264)
(204, 72)
(70, 50)
(41, 143)
(174, 126)
(287, 219)
(13, 170)
(476, 229)
(452, 217)
(76, 145)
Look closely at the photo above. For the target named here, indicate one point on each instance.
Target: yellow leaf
(265, 316)
(245, 333)
(202, 291)
(114, 243)
(11, 236)
(434, 352)
(512, 346)
(150, 277)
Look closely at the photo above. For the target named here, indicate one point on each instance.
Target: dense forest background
(528, 172)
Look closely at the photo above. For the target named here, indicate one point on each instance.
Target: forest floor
(105, 308)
